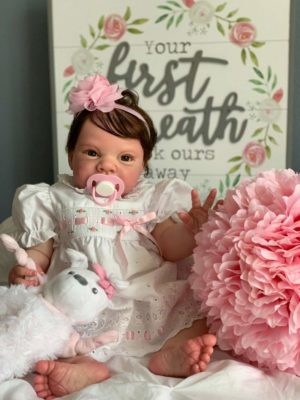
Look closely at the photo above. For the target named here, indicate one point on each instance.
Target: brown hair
(118, 123)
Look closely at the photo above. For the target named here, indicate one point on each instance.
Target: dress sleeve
(168, 198)
(33, 215)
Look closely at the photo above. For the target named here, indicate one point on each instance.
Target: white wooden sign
(213, 75)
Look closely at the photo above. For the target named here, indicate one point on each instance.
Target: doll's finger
(209, 201)
(196, 203)
(185, 217)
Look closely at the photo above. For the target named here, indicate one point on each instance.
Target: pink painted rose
(83, 61)
(188, 3)
(254, 154)
(94, 92)
(201, 12)
(114, 27)
(277, 96)
(269, 110)
(242, 34)
(69, 71)
(246, 271)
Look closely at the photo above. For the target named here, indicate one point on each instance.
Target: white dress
(158, 303)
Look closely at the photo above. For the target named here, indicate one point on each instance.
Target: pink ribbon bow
(103, 281)
(128, 224)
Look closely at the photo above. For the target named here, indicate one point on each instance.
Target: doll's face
(98, 151)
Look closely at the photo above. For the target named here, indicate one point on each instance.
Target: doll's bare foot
(184, 359)
(56, 379)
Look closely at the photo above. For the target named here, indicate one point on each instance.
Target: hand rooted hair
(119, 123)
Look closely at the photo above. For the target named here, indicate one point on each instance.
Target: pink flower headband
(96, 93)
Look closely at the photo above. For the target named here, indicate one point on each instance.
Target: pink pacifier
(105, 189)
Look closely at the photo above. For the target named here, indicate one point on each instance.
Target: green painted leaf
(161, 18)
(102, 47)
(92, 31)
(259, 90)
(83, 41)
(165, 8)
(253, 58)
(227, 181)
(236, 158)
(257, 44)
(232, 13)
(257, 132)
(256, 82)
(101, 22)
(220, 7)
(258, 73)
(235, 168)
(277, 128)
(236, 180)
(268, 151)
(244, 56)
(67, 84)
(139, 21)
(170, 22)
(179, 19)
(243, 19)
(272, 140)
(274, 82)
(127, 14)
(269, 74)
(220, 28)
(174, 3)
(134, 31)
(221, 187)
(248, 169)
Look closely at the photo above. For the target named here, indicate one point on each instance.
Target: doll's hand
(19, 275)
(198, 214)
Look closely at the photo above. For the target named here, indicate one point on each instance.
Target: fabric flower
(242, 34)
(114, 27)
(201, 12)
(94, 92)
(246, 271)
(254, 154)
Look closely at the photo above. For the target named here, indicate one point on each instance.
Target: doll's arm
(79, 346)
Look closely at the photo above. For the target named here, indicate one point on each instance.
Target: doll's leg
(185, 354)
(59, 378)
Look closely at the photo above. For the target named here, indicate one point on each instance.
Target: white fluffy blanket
(225, 379)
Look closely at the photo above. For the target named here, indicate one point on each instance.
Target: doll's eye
(94, 290)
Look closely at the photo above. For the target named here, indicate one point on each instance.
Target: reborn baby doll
(37, 322)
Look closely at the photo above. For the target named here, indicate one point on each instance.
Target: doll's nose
(106, 165)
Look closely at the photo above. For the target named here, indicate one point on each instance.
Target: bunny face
(76, 293)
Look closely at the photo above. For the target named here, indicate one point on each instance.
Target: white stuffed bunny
(37, 322)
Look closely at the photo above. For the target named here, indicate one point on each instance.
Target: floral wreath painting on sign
(213, 76)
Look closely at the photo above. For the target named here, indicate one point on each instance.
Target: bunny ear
(10, 243)
(76, 258)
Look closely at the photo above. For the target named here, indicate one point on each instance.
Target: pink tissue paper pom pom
(246, 271)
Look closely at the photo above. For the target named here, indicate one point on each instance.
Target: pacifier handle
(108, 187)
